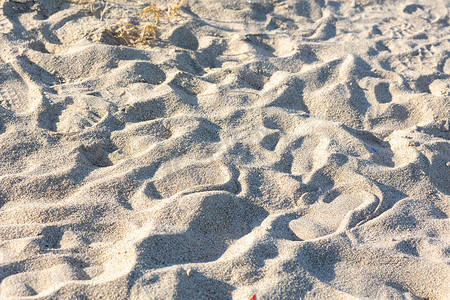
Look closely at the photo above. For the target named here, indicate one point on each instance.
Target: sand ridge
(288, 149)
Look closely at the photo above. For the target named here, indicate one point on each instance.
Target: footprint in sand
(14, 91)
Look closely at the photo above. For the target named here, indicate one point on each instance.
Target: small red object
(253, 297)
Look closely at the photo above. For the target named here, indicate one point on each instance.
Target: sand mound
(287, 149)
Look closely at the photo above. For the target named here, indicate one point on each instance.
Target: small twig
(267, 67)
(104, 11)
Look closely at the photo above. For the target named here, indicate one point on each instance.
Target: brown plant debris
(131, 34)
(149, 11)
(144, 29)
(173, 9)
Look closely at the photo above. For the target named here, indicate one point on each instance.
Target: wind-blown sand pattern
(285, 149)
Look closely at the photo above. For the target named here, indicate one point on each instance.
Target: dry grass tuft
(92, 4)
(173, 9)
(149, 11)
(131, 34)
(147, 26)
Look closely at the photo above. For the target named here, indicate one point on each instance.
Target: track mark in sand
(188, 83)
(138, 138)
(205, 225)
(173, 178)
(37, 247)
(344, 212)
(14, 90)
(82, 112)
(74, 119)
(32, 283)
(189, 177)
(7, 97)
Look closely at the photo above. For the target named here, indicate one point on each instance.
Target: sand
(287, 149)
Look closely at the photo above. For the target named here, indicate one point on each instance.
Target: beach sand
(286, 149)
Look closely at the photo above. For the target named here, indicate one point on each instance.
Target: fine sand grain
(286, 149)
